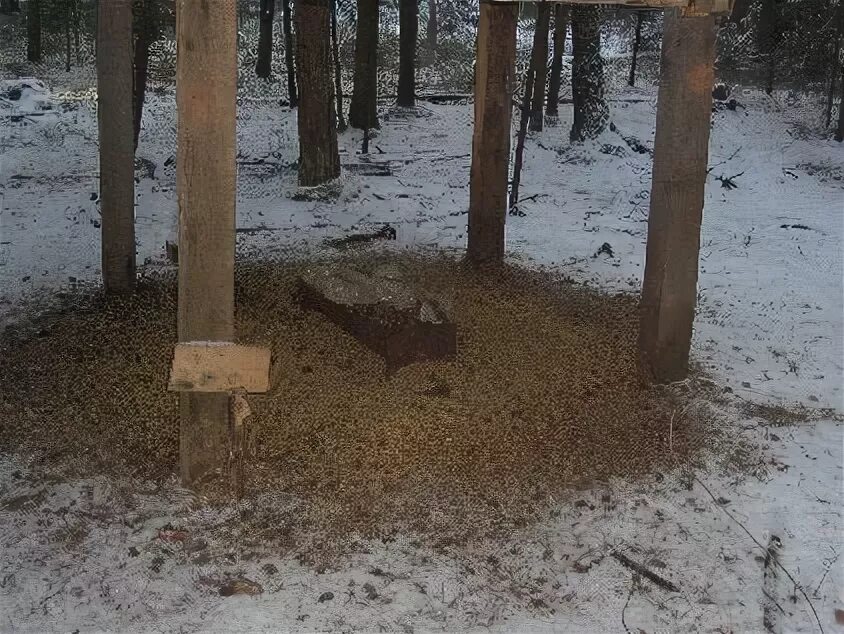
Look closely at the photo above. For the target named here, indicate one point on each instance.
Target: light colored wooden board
(204, 366)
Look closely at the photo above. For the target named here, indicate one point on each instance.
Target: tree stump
(382, 313)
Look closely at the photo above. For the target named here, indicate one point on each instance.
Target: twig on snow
(797, 586)
(625, 561)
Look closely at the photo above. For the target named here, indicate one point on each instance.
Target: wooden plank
(206, 91)
(681, 148)
(692, 7)
(381, 312)
(205, 366)
(494, 84)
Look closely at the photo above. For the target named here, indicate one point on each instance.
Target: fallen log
(382, 313)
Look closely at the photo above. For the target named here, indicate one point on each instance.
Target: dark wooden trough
(382, 312)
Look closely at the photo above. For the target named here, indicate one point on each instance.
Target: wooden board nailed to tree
(381, 312)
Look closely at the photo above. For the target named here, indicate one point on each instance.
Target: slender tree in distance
(591, 112)
(266, 17)
(289, 56)
(147, 30)
(540, 64)
(319, 158)
(561, 25)
(432, 32)
(637, 41)
(409, 33)
(338, 70)
(363, 112)
(117, 156)
(33, 31)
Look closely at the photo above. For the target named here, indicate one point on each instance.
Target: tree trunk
(561, 25)
(768, 40)
(432, 33)
(289, 57)
(835, 61)
(67, 27)
(146, 32)
(839, 133)
(491, 140)
(681, 147)
(206, 94)
(539, 61)
(740, 10)
(409, 23)
(76, 38)
(319, 158)
(590, 107)
(338, 71)
(264, 65)
(33, 31)
(526, 113)
(637, 41)
(363, 112)
(117, 160)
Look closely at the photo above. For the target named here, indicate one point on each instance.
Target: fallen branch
(647, 574)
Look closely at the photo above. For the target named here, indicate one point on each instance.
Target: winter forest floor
(82, 552)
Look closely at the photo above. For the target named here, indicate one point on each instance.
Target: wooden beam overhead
(688, 7)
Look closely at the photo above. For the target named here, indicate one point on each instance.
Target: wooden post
(494, 78)
(117, 149)
(681, 149)
(206, 91)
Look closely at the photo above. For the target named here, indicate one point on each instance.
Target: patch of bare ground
(544, 392)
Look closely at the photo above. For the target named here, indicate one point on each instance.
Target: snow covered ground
(93, 555)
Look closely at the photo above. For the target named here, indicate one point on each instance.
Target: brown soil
(544, 392)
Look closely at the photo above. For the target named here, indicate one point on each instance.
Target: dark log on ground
(382, 313)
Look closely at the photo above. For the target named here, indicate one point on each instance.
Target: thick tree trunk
(289, 56)
(539, 61)
(590, 107)
(637, 41)
(33, 31)
(319, 158)
(409, 24)
(338, 71)
(561, 25)
(491, 141)
(266, 16)
(117, 159)
(681, 149)
(363, 112)
(206, 93)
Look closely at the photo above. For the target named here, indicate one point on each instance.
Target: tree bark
(681, 148)
(319, 158)
(409, 25)
(76, 36)
(561, 25)
(33, 31)
(539, 60)
(338, 71)
(590, 107)
(637, 41)
(289, 56)
(206, 93)
(363, 112)
(491, 141)
(117, 159)
(264, 65)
